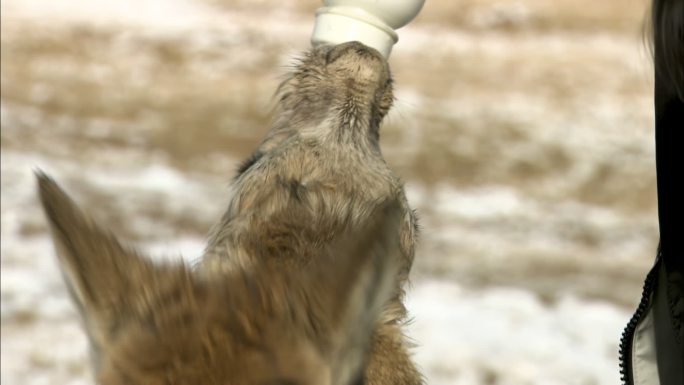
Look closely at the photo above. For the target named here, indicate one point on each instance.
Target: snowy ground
(529, 157)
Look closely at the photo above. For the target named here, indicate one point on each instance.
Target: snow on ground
(508, 337)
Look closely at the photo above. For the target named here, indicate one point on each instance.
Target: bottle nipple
(371, 22)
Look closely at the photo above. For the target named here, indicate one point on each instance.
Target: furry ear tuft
(101, 275)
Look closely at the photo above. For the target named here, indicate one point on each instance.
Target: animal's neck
(355, 122)
(349, 133)
(346, 121)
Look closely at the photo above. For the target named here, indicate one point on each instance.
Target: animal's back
(338, 186)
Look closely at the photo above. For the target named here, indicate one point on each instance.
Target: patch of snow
(159, 14)
(507, 336)
(162, 18)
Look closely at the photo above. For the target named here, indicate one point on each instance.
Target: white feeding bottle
(371, 22)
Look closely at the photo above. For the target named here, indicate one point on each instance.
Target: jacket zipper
(628, 332)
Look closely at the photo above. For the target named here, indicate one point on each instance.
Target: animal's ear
(358, 280)
(102, 276)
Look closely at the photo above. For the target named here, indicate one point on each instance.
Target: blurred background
(523, 130)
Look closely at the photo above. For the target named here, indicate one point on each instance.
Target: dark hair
(667, 28)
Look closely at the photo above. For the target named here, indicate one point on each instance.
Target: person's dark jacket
(651, 348)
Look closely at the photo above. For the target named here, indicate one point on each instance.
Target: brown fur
(302, 280)
(164, 324)
(322, 157)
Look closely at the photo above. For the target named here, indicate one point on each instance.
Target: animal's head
(165, 324)
(349, 82)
